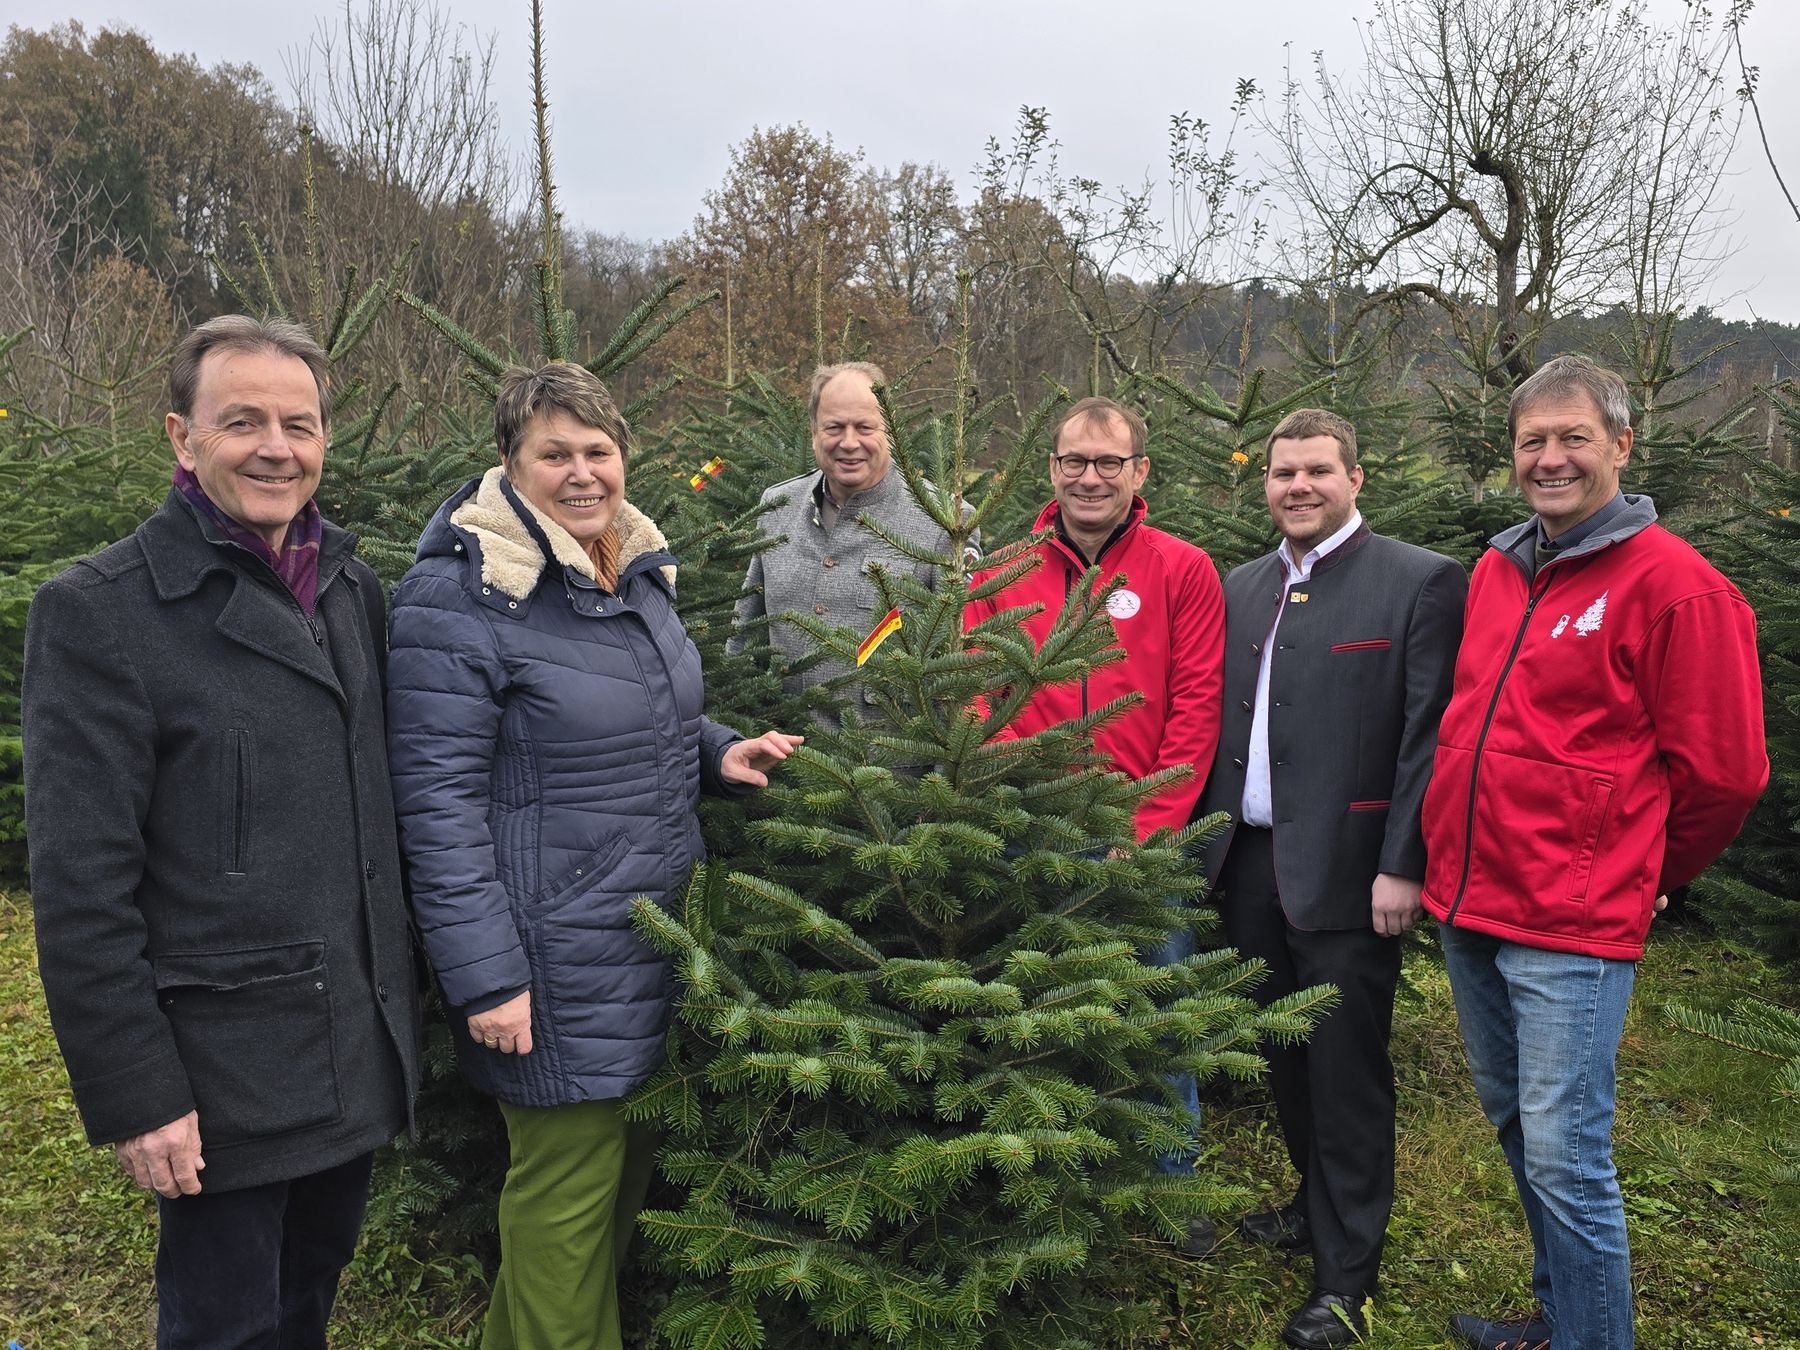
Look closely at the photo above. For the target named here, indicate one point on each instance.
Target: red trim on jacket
(1603, 744)
(1174, 641)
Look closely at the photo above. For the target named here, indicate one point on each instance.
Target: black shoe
(1528, 1332)
(1285, 1229)
(1202, 1238)
(1325, 1321)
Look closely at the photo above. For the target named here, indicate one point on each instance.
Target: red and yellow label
(883, 631)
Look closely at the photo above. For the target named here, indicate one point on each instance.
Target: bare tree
(99, 322)
(918, 247)
(1129, 276)
(399, 100)
(1510, 161)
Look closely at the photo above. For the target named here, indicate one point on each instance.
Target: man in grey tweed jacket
(820, 567)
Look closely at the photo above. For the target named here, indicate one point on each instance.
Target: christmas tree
(916, 1093)
(1752, 891)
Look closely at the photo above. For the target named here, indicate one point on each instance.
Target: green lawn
(1698, 1131)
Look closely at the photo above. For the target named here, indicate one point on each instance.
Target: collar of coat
(1518, 541)
(1051, 518)
(180, 549)
(518, 541)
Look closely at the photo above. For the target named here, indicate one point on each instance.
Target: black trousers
(1334, 1096)
(257, 1269)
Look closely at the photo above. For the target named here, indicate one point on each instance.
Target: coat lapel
(257, 618)
(255, 615)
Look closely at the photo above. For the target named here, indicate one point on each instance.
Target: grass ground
(1698, 1132)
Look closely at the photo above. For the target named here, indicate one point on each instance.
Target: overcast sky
(647, 97)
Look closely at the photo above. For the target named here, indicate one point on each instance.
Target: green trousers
(573, 1189)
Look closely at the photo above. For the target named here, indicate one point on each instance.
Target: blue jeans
(1187, 1092)
(1542, 1030)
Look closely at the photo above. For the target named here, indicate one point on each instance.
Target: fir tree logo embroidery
(1561, 624)
(1589, 622)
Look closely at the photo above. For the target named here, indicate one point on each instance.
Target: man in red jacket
(1170, 620)
(1603, 743)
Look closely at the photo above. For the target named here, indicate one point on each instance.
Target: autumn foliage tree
(818, 256)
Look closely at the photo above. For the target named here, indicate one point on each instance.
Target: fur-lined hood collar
(517, 541)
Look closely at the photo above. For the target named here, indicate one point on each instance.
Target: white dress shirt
(1258, 805)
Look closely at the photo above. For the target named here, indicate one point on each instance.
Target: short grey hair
(241, 333)
(824, 375)
(559, 386)
(1573, 374)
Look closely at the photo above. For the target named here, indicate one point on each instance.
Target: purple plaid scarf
(298, 562)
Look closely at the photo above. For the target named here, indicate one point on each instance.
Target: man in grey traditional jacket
(820, 567)
(220, 926)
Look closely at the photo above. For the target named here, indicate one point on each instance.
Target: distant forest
(146, 192)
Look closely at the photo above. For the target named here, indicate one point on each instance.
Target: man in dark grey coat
(1339, 648)
(220, 926)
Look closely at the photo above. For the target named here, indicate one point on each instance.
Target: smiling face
(1567, 466)
(571, 472)
(849, 438)
(254, 439)
(1091, 506)
(1310, 492)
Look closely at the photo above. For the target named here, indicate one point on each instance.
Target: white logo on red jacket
(1590, 619)
(1123, 604)
(1589, 622)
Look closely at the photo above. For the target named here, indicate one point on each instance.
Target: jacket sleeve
(446, 697)
(715, 740)
(1433, 633)
(1196, 689)
(750, 607)
(971, 554)
(89, 733)
(1697, 674)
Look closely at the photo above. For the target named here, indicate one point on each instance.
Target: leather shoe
(1325, 1321)
(1285, 1229)
(1202, 1238)
(1528, 1332)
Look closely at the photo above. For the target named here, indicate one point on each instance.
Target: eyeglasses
(1107, 466)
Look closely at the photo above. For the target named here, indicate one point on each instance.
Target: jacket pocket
(1581, 869)
(1366, 645)
(1380, 805)
(239, 767)
(589, 872)
(253, 1028)
(1536, 826)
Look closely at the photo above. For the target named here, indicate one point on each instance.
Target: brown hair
(1097, 412)
(1303, 424)
(241, 333)
(560, 386)
(824, 375)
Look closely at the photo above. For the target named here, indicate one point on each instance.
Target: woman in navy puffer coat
(548, 750)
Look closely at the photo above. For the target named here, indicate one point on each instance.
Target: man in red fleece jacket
(1603, 744)
(1170, 619)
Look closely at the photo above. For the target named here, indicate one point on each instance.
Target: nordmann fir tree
(915, 1093)
(1753, 892)
(702, 481)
